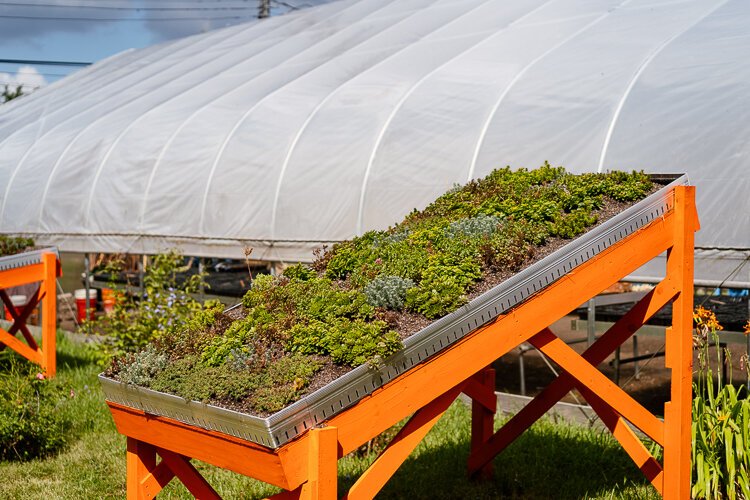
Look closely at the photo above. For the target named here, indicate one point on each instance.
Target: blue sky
(90, 30)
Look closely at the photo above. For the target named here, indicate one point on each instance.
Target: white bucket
(18, 300)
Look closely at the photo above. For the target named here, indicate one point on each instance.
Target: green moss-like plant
(10, 245)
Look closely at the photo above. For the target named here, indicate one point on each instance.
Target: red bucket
(80, 296)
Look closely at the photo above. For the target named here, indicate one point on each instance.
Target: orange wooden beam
(618, 333)
(154, 482)
(45, 272)
(399, 449)
(323, 455)
(48, 290)
(215, 448)
(190, 477)
(679, 350)
(588, 376)
(24, 350)
(630, 442)
(141, 460)
(483, 409)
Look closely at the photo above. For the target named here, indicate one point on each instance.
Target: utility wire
(44, 63)
(140, 20)
(111, 7)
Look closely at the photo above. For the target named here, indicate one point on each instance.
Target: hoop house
(321, 124)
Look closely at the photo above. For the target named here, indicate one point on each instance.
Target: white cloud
(27, 76)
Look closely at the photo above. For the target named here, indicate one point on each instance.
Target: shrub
(164, 306)
(33, 420)
(388, 292)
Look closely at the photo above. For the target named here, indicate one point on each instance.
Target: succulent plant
(479, 225)
(388, 292)
(143, 367)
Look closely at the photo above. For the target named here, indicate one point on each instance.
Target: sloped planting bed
(20, 252)
(306, 345)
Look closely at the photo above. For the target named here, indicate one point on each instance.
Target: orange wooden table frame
(306, 466)
(46, 273)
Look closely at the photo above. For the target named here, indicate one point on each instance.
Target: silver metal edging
(348, 389)
(26, 258)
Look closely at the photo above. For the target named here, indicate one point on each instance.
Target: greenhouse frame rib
(305, 466)
(42, 266)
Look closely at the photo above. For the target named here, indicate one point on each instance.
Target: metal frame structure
(306, 466)
(38, 266)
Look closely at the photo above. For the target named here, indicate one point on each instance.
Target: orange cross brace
(46, 273)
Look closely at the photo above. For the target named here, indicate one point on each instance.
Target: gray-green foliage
(388, 292)
(474, 227)
(143, 366)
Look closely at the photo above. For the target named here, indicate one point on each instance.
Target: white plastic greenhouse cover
(318, 125)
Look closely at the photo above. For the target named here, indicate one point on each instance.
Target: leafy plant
(143, 366)
(10, 245)
(166, 304)
(8, 93)
(388, 292)
(32, 420)
(721, 423)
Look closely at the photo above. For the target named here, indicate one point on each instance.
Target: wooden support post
(141, 460)
(322, 468)
(48, 290)
(679, 350)
(483, 417)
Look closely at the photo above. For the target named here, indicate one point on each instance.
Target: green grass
(552, 460)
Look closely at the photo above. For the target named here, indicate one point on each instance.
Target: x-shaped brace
(19, 319)
(581, 373)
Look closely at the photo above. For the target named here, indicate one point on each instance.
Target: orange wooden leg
(630, 442)
(483, 409)
(49, 314)
(141, 460)
(187, 473)
(399, 449)
(679, 350)
(322, 469)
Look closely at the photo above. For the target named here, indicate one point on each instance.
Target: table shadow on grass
(551, 460)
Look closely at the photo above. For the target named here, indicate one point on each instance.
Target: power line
(136, 9)
(44, 63)
(52, 18)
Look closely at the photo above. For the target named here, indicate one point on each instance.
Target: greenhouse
(316, 126)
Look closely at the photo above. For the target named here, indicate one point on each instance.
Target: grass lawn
(552, 460)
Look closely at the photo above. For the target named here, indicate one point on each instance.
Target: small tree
(9, 93)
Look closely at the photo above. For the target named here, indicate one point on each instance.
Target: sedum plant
(388, 292)
(10, 245)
